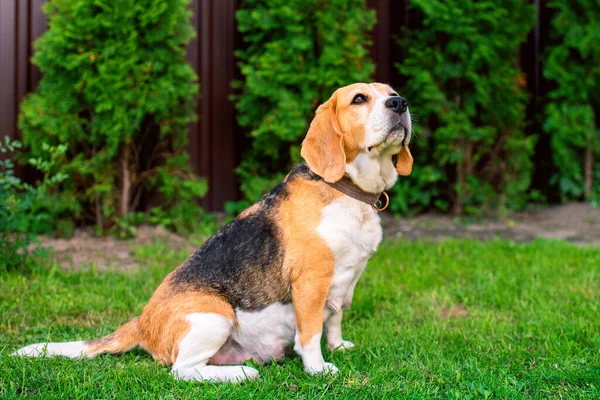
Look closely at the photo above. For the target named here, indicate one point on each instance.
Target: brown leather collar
(346, 186)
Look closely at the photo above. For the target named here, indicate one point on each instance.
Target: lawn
(457, 319)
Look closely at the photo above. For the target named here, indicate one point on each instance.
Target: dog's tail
(123, 339)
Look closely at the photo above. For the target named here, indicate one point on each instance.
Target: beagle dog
(282, 272)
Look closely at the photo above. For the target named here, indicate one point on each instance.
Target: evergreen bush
(297, 53)
(117, 91)
(468, 98)
(572, 115)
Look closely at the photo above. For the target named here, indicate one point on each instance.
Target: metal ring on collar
(378, 206)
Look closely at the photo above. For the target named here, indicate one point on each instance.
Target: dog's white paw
(325, 368)
(344, 345)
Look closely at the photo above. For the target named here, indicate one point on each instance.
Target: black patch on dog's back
(243, 261)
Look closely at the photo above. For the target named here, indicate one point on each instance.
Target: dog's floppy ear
(404, 161)
(323, 147)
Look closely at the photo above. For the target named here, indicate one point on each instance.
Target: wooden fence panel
(21, 22)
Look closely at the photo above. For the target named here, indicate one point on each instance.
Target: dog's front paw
(324, 368)
(343, 345)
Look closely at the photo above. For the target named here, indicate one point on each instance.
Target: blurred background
(132, 111)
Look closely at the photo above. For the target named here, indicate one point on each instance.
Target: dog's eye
(359, 99)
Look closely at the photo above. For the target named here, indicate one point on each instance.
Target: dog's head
(356, 132)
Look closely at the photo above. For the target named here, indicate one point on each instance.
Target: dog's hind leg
(185, 328)
(208, 333)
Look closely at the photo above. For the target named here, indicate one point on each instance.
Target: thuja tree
(572, 64)
(297, 53)
(116, 90)
(468, 97)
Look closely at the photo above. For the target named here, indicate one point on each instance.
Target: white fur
(266, 333)
(208, 333)
(312, 358)
(66, 349)
(352, 230)
(381, 120)
(373, 174)
(372, 170)
(333, 329)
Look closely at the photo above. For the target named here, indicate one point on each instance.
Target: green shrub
(298, 52)
(117, 91)
(468, 99)
(572, 116)
(21, 215)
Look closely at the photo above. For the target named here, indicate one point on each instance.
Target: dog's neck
(373, 175)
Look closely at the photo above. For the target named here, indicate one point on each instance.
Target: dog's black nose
(397, 104)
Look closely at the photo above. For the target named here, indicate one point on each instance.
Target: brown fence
(21, 22)
(215, 140)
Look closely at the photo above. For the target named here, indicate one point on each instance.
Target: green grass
(458, 319)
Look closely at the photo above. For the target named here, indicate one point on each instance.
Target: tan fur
(337, 132)
(404, 161)
(308, 266)
(383, 88)
(253, 209)
(163, 322)
(123, 339)
(352, 119)
(336, 137)
(308, 262)
(323, 147)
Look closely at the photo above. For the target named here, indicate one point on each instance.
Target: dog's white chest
(352, 230)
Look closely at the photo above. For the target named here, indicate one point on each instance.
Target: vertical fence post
(392, 16)
(8, 67)
(213, 147)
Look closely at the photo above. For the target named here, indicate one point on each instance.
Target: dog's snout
(397, 104)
